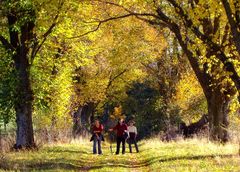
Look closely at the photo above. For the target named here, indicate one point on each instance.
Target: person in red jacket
(97, 137)
(121, 129)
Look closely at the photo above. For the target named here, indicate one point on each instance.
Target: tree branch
(111, 80)
(45, 35)
(233, 24)
(152, 22)
(237, 12)
(203, 78)
(6, 44)
(215, 47)
(100, 22)
(37, 46)
(129, 13)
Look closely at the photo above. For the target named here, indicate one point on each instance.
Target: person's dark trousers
(97, 142)
(119, 141)
(130, 142)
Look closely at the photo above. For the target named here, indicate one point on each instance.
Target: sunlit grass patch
(183, 155)
(192, 154)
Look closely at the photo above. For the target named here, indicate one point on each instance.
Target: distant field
(191, 155)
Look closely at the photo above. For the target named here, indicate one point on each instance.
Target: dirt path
(133, 162)
(137, 161)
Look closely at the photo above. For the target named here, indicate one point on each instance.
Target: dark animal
(194, 128)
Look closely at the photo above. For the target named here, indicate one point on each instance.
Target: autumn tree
(203, 35)
(218, 95)
(22, 37)
(117, 64)
(166, 71)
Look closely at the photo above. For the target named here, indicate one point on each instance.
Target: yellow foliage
(117, 113)
(189, 97)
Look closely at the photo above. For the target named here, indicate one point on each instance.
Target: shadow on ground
(65, 163)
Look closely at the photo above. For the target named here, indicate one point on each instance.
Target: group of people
(124, 133)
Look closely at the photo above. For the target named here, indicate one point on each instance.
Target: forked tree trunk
(20, 44)
(217, 102)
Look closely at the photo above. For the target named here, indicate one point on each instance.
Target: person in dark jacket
(121, 129)
(97, 137)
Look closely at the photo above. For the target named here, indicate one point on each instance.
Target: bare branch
(129, 13)
(100, 22)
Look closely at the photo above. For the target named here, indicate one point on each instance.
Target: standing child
(121, 129)
(133, 135)
(97, 137)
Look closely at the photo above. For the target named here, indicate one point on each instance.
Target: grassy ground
(191, 155)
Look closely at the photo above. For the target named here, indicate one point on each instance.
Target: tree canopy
(161, 61)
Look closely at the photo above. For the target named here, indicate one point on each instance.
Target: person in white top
(132, 136)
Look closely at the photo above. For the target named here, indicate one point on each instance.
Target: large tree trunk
(21, 26)
(23, 105)
(218, 116)
(24, 96)
(217, 104)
